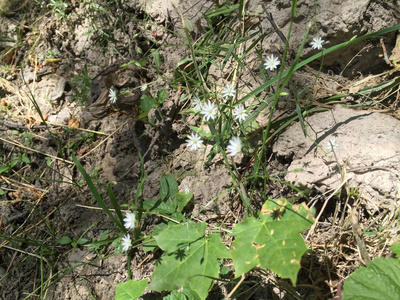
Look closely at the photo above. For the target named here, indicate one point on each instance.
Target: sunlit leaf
(190, 258)
(379, 280)
(130, 290)
(273, 240)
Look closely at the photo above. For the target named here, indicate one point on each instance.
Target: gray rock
(367, 153)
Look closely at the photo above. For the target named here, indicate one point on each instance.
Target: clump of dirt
(351, 152)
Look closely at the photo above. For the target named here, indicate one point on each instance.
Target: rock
(368, 152)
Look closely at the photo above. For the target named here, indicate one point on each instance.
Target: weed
(81, 86)
(28, 137)
(19, 160)
(194, 254)
(59, 7)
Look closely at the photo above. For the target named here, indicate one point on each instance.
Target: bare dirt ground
(67, 59)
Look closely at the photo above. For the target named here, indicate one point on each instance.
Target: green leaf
(182, 199)
(273, 240)
(115, 203)
(379, 280)
(25, 159)
(64, 240)
(175, 296)
(168, 187)
(396, 249)
(161, 96)
(158, 206)
(82, 241)
(202, 132)
(96, 194)
(4, 169)
(190, 258)
(156, 57)
(180, 235)
(146, 103)
(130, 290)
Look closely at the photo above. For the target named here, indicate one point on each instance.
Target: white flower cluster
(209, 111)
(129, 223)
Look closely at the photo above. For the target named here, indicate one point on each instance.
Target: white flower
(332, 145)
(196, 103)
(126, 242)
(144, 87)
(209, 110)
(240, 113)
(228, 91)
(187, 190)
(194, 141)
(235, 146)
(113, 96)
(271, 62)
(130, 220)
(317, 43)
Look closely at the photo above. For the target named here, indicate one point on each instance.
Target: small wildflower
(235, 146)
(187, 190)
(209, 110)
(228, 91)
(332, 145)
(317, 43)
(130, 220)
(144, 87)
(113, 96)
(194, 141)
(240, 113)
(126, 242)
(196, 103)
(271, 62)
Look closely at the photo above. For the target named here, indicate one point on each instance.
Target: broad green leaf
(180, 236)
(190, 258)
(396, 249)
(130, 290)
(273, 240)
(379, 280)
(213, 249)
(175, 296)
(182, 199)
(146, 103)
(190, 294)
(158, 206)
(168, 187)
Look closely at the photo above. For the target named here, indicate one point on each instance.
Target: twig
(36, 151)
(271, 20)
(236, 287)
(355, 226)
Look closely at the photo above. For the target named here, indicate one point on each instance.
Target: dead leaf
(73, 123)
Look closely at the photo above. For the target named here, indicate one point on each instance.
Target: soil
(47, 198)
